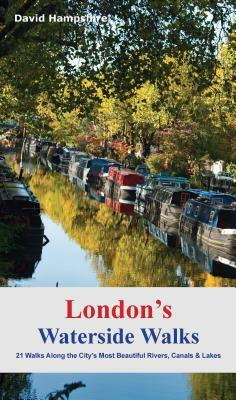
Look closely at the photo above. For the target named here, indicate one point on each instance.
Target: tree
(15, 387)
(213, 386)
(127, 50)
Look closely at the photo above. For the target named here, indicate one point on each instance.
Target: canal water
(117, 386)
(90, 246)
(120, 386)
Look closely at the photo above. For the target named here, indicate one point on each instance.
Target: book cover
(117, 199)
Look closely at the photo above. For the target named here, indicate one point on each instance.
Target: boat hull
(212, 236)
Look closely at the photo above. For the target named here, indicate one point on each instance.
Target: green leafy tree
(127, 50)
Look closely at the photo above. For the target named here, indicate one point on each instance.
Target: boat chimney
(21, 174)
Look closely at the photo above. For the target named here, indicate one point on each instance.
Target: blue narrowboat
(211, 218)
(98, 172)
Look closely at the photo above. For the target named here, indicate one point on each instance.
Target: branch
(9, 44)
(22, 10)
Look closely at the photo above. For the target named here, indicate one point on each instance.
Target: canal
(91, 246)
(120, 386)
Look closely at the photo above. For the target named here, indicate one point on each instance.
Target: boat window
(217, 200)
(185, 185)
(189, 208)
(227, 219)
(196, 211)
(211, 216)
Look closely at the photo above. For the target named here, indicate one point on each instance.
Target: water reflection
(57, 266)
(91, 246)
(120, 386)
(214, 261)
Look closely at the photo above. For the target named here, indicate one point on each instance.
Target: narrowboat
(98, 172)
(211, 218)
(120, 189)
(6, 172)
(167, 203)
(80, 173)
(221, 182)
(53, 157)
(65, 158)
(34, 147)
(45, 145)
(19, 207)
(142, 169)
(74, 165)
(87, 171)
(214, 261)
(151, 183)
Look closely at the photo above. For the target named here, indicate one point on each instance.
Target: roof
(211, 194)
(177, 179)
(218, 206)
(16, 190)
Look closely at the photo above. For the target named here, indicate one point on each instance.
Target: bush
(174, 165)
(156, 163)
(231, 169)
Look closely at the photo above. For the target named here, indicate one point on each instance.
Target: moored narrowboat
(98, 173)
(45, 145)
(53, 157)
(167, 203)
(74, 165)
(120, 189)
(6, 172)
(34, 147)
(65, 158)
(151, 183)
(221, 182)
(80, 171)
(211, 218)
(19, 207)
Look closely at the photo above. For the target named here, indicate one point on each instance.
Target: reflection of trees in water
(204, 387)
(19, 387)
(64, 394)
(213, 386)
(16, 387)
(121, 254)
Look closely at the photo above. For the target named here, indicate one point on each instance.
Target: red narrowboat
(120, 189)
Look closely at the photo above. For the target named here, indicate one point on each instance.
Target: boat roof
(11, 190)
(173, 189)
(171, 179)
(125, 171)
(212, 194)
(70, 149)
(220, 176)
(219, 206)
